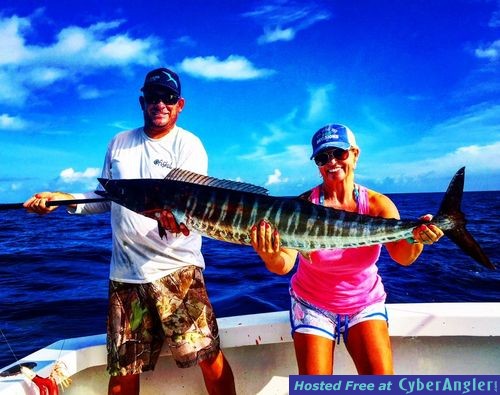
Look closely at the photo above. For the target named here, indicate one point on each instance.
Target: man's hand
(167, 222)
(37, 203)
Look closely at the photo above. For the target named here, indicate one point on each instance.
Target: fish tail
(450, 212)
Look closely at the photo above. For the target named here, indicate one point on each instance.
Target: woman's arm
(403, 251)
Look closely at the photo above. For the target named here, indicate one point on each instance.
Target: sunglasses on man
(326, 156)
(165, 98)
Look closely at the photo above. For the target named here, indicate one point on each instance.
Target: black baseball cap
(162, 78)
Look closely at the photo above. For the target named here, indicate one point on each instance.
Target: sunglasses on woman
(166, 98)
(326, 156)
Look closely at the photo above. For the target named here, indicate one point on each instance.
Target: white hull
(427, 338)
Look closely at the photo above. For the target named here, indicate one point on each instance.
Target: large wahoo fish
(225, 210)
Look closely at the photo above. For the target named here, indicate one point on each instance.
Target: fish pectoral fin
(161, 231)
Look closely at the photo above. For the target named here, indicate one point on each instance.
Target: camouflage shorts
(174, 309)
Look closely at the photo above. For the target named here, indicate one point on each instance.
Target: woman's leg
(314, 353)
(369, 345)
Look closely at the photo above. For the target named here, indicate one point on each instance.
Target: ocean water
(54, 271)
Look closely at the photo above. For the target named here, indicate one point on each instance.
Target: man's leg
(124, 385)
(133, 342)
(218, 375)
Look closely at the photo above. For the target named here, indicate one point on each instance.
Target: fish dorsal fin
(195, 178)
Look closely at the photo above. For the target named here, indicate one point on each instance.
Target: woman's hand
(427, 233)
(265, 240)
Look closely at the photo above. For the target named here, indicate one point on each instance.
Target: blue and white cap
(332, 136)
(162, 78)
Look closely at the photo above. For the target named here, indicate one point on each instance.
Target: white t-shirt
(139, 255)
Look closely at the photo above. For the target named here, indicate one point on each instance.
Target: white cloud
(286, 142)
(75, 52)
(481, 122)
(8, 122)
(421, 174)
(276, 34)
(427, 161)
(293, 126)
(41, 77)
(495, 20)
(277, 134)
(256, 155)
(490, 52)
(12, 46)
(95, 46)
(186, 41)
(484, 157)
(16, 186)
(233, 68)
(319, 104)
(124, 50)
(89, 92)
(70, 176)
(282, 20)
(471, 140)
(275, 178)
(81, 47)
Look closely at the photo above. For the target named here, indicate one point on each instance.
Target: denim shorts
(174, 309)
(307, 318)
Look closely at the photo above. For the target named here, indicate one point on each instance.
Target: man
(156, 290)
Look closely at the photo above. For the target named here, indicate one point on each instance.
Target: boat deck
(428, 338)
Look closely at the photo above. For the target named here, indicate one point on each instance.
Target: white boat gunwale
(477, 322)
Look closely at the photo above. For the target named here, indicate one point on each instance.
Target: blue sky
(417, 81)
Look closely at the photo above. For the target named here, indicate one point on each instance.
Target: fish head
(139, 195)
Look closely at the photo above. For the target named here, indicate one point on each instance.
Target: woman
(338, 292)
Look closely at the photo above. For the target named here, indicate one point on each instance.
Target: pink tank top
(343, 281)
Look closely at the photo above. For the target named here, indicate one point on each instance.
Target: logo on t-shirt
(161, 163)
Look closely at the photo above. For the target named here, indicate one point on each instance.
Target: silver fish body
(302, 225)
(226, 211)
